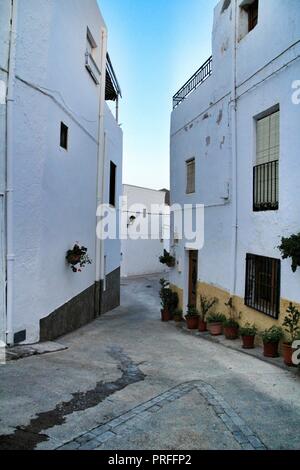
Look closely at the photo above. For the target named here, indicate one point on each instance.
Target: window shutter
(190, 174)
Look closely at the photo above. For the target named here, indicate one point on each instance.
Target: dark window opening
(252, 10)
(112, 184)
(262, 290)
(64, 130)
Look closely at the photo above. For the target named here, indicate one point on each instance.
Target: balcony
(266, 187)
(196, 80)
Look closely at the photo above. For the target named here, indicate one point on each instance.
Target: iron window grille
(266, 186)
(262, 291)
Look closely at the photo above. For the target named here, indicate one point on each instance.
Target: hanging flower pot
(78, 256)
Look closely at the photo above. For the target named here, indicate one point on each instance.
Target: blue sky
(155, 46)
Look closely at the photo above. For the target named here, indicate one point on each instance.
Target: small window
(263, 284)
(64, 131)
(252, 11)
(190, 176)
(112, 184)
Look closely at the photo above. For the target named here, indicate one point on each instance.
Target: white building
(235, 139)
(57, 139)
(146, 209)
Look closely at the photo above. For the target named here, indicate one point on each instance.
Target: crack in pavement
(29, 436)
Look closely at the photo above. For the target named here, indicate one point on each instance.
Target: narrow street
(129, 381)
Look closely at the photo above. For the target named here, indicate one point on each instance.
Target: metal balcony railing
(199, 77)
(266, 186)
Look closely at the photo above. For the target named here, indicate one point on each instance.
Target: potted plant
(167, 259)
(192, 317)
(291, 326)
(178, 315)
(215, 323)
(165, 296)
(290, 248)
(78, 255)
(271, 338)
(206, 305)
(231, 325)
(248, 333)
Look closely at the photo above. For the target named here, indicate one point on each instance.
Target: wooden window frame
(190, 187)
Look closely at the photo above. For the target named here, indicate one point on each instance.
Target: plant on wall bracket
(290, 248)
(167, 259)
(77, 258)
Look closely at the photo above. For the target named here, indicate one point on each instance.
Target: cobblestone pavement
(129, 381)
(126, 423)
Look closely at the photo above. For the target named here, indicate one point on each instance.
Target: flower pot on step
(215, 329)
(231, 332)
(287, 352)
(192, 322)
(271, 349)
(248, 342)
(165, 315)
(202, 326)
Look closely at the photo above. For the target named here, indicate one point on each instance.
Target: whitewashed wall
(201, 128)
(55, 190)
(4, 49)
(142, 256)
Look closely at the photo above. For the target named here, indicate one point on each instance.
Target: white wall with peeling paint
(267, 61)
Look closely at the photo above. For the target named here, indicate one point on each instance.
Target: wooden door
(193, 277)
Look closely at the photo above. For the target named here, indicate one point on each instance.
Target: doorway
(193, 277)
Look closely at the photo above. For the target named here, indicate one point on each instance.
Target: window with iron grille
(190, 176)
(266, 170)
(262, 290)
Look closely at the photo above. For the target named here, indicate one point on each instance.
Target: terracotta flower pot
(74, 259)
(177, 319)
(231, 332)
(192, 322)
(287, 352)
(202, 325)
(248, 342)
(271, 349)
(215, 329)
(165, 315)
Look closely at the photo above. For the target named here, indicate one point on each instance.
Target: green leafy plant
(206, 304)
(167, 259)
(216, 318)
(178, 314)
(291, 323)
(164, 293)
(248, 330)
(192, 311)
(78, 256)
(233, 316)
(173, 301)
(290, 248)
(272, 335)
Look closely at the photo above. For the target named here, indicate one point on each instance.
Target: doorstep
(236, 345)
(26, 350)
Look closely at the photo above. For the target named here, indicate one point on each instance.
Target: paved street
(128, 381)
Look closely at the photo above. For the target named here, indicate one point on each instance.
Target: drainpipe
(234, 153)
(101, 156)
(10, 257)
